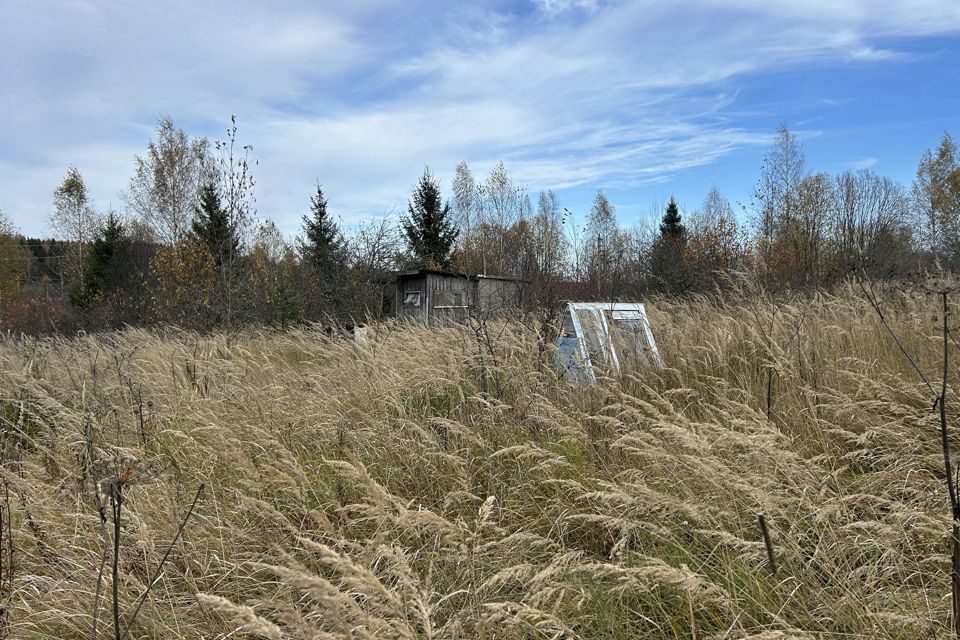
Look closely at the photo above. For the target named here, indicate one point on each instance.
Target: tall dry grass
(389, 490)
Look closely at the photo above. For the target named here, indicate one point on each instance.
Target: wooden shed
(433, 295)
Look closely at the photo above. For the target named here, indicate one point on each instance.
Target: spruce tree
(667, 263)
(213, 229)
(429, 228)
(323, 251)
(324, 246)
(100, 273)
(670, 225)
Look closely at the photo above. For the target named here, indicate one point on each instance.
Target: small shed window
(456, 298)
(411, 299)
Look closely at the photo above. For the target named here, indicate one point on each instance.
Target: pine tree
(324, 247)
(429, 228)
(213, 229)
(670, 225)
(100, 274)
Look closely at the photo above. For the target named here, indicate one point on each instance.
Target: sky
(643, 100)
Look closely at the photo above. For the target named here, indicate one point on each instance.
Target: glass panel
(455, 298)
(626, 314)
(593, 335)
(412, 299)
(569, 360)
(630, 339)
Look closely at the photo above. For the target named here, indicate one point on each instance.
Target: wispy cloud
(561, 6)
(870, 54)
(362, 95)
(862, 163)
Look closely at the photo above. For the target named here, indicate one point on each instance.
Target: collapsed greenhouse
(603, 338)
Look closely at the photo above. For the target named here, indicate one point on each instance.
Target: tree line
(189, 247)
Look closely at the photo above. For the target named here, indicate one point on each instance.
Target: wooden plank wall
(405, 286)
(440, 282)
(494, 294)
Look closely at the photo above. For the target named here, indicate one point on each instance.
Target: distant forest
(189, 247)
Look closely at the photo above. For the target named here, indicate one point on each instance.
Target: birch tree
(164, 188)
(784, 167)
(75, 220)
(936, 197)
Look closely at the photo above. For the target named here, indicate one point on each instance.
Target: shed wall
(494, 294)
(440, 282)
(409, 285)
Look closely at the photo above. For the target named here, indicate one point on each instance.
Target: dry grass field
(420, 486)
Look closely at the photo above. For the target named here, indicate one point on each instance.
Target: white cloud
(862, 163)
(560, 6)
(870, 54)
(361, 96)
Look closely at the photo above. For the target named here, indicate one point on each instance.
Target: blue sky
(640, 99)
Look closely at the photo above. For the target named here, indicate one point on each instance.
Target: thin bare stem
(101, 511)
(6, 554)
(156, 574)
(116, 501)
(955, 581)
(951, 483)
(768, 543)
(903, 350)
(944, 440)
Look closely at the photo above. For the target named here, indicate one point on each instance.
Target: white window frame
(630, 311)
